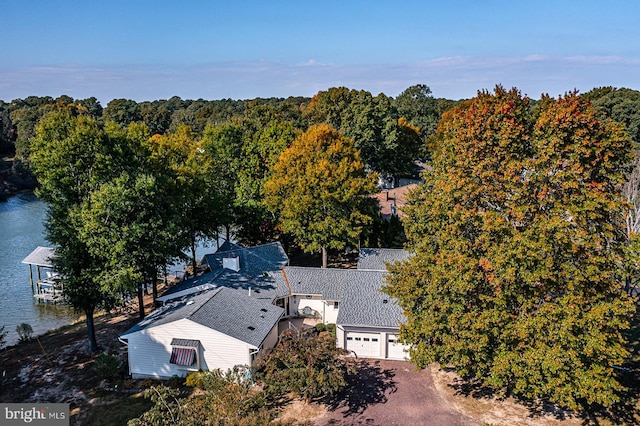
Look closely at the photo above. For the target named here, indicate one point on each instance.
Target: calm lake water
(21, 231)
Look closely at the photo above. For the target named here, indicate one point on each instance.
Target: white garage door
(363, 344)
(395, 349)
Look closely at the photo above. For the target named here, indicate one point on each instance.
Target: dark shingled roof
(364, 304)
(254, 260)
(358, 291)
(328, 282)
(376, 259)
(230, 312)
(255, 264)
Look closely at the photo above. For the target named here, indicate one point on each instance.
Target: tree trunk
(324, 257)
(140, 301)
(627, 285)
(193, 256)
(91, 331)
(228, 231)
(154, 277)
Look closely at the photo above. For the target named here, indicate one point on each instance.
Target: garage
(395, 349)
(364, 345)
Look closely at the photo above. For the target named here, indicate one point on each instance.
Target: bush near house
(307, 365)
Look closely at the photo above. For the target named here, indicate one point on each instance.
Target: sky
(149, 50)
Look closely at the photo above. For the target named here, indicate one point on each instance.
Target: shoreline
(11, 183)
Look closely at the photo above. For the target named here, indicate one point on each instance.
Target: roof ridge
(214, 292)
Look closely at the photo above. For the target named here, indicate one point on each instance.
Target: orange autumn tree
(319, 189)
(517, 234)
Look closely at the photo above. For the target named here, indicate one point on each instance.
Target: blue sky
(146, 50)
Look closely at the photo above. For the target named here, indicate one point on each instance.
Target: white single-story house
(226, 316)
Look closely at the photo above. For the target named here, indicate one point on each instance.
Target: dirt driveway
(392, 393)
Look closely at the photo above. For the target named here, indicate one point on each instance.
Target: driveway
(391, 393)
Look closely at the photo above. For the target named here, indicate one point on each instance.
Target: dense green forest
(526, 229)
(371, 120)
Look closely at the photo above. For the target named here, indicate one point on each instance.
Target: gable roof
(376, 259)
(358, 291)
(328, 282)
(255, 264)
(254, 261)
(365, 304)
(229, 312)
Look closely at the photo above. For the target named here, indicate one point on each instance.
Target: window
(366, 339)
(183, 356)
(374, 339)
(358, 339)
(335, 305)
(184, 352)
(349, 338)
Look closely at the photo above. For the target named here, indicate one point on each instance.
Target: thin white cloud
(450, 77)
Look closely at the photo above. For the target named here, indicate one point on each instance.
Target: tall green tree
(181, 157)
(419, 107)
(127, 223)
(518, 234)
(319, 189)
(373, 124)
(71, 156)
(222, 147)
(260, 152)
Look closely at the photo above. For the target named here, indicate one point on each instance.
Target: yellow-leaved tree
(320, 191)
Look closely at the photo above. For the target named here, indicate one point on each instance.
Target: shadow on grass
(370, 385)
(626, 412)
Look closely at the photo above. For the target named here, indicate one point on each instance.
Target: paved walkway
(392, 393)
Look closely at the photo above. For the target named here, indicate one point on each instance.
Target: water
(21, 231)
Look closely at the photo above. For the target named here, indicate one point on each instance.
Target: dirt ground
(57, 367)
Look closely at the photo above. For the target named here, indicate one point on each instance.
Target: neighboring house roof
(376, 259)
(229, 312)
(364, 304)
(396, 197)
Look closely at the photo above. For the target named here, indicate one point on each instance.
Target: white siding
(330, 312)
(150, 350)
(272, 339)
(298, 302)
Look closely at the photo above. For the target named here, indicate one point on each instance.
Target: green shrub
(308, 365)
(107, 366)
(25, 332)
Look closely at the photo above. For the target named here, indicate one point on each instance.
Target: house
(220, 328)
(227, 315)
